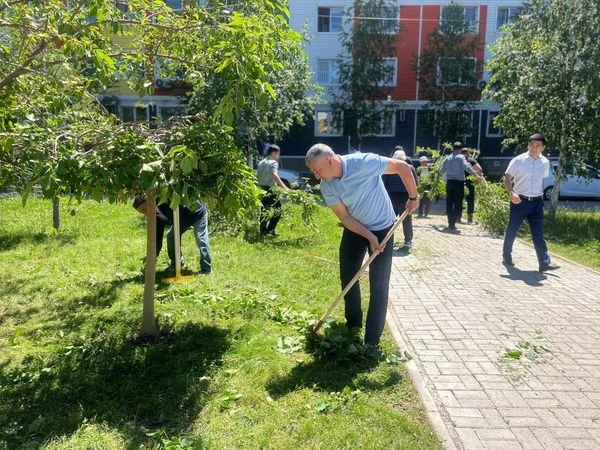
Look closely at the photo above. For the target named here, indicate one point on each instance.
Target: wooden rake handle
(366, 264)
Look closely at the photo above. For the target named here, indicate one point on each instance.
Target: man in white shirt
(528, 171)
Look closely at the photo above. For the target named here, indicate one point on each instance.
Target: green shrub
(492, 207)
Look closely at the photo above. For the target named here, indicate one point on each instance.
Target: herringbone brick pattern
(459, 310)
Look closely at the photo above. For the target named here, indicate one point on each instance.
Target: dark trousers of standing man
(352, 251)
(455, 193)
(271, 212)
(533, 211)
(399, 200)
(470, 198)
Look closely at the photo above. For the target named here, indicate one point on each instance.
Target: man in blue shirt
(454, 168)
(352, 187)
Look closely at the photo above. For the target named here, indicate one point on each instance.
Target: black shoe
(273, 233)
(547, 267)
(508, 262)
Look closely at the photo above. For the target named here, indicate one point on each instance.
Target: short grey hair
(316, 151)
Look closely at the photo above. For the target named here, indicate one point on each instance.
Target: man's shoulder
(268, 162)
(522, 157)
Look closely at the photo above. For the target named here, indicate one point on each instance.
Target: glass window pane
(323, 20)
(323, 71)
(502, 17)
(336, 19)
(141, 113)
(322, 122)
(471, 18)
(387, 123)
(334, 73)
(169, 111)
(127, 113)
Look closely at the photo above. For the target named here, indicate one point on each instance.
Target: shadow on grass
(110, 378)
(67, 313)
(11, 241)
(330, 376)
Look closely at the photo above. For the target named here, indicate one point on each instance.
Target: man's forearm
(355, 226)
(508, 184)
(409, 181)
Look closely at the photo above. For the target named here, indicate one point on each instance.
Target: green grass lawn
(575, 235)
(72, 374)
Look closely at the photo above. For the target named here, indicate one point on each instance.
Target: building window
(133, 113)
(507, 16)
(164, 112)
(328, 72)
(386, 127)
(328, 124)
(329, 20)
(456, 71)
(388, 124)
(463, 119)
(388, 24)
(391, 73)
(469, 13)
(492, 130)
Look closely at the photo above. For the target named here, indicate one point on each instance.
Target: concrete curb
(433, 412)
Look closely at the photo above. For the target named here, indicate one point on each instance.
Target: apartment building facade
(324, 20)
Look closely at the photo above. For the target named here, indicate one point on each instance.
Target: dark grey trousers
(352, 251)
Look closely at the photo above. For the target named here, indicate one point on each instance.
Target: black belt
(524, 197)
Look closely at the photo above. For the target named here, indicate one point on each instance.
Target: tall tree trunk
(56, 213)
(149, 329)
(558, 175)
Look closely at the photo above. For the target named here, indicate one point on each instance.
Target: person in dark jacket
(399, 196)
(188, 218)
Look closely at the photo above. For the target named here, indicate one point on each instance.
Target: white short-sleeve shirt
(528, 174)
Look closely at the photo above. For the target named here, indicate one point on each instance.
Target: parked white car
(575, 185)
(289, 177)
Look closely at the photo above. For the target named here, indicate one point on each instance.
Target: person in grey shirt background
(453, 169)
(268, 178)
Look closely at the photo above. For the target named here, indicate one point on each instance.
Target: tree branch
(23, 69)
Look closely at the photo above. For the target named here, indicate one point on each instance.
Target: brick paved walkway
(457, 310)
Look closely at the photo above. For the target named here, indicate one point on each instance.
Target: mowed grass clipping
(227, 371)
